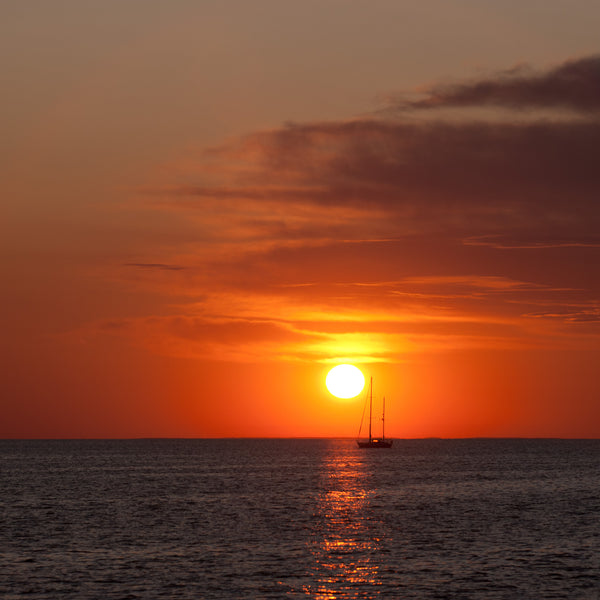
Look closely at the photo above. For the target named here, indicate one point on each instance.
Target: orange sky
(208, 205)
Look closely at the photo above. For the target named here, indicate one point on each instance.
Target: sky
(207, 205)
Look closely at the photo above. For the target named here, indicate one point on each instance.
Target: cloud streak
(573, 85)
(155, 266)
(380, 237)
(318, 181)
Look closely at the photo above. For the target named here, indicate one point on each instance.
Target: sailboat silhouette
(374, 442)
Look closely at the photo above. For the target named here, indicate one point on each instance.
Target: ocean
(268, 518)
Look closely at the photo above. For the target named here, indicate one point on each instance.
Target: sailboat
(374, 442)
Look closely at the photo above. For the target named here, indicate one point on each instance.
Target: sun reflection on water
(345, 544)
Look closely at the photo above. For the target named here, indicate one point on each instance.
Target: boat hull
(375, 444)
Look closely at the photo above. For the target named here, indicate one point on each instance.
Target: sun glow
(345, 381)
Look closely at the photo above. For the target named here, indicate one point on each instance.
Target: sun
(345, 381)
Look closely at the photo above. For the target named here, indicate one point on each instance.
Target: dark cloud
(509, 242)
(415, 227)
(157, 266)
(590, 314)
(478, 178)
(573, 85)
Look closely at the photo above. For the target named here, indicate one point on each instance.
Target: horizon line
(202, 438)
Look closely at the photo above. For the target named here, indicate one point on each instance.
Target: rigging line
(363, 413)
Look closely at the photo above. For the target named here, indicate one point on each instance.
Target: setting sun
(345, 381)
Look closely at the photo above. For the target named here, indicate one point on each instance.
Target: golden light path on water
(344, 548)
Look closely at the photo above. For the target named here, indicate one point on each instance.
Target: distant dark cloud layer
(573, 85)
(414, 209)
(532, 180)
(540, 176)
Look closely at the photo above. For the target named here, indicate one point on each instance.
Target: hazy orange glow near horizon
(208, 206)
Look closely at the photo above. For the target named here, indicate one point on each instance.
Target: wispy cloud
(380, 237)
(573, 85)
(507, 242)
(157, 266)
(374, 179)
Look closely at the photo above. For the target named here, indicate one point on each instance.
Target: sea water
(481, 519)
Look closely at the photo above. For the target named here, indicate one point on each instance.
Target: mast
(383, 421)
(370, 408)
